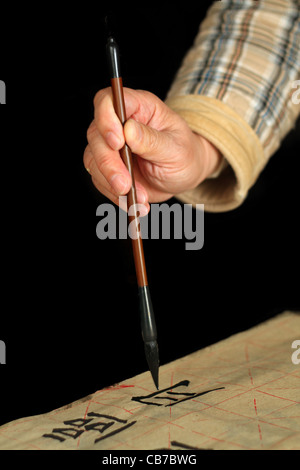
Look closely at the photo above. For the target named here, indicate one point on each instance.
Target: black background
(69, 314)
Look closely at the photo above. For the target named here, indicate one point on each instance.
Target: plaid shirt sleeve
(237, 87)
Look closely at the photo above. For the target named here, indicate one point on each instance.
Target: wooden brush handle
(126, 155)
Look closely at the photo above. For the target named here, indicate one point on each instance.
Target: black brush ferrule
(113, 58)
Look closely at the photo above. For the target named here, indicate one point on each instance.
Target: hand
(169, 158)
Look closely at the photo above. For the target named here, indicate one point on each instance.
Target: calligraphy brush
(148, 326)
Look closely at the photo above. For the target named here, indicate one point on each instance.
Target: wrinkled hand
(169, 158)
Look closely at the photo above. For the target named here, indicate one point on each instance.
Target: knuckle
(90, 131)
(87, 155)
(100, 95)
(104, 114)
(88, 134)
(103, 162)
(152, 139)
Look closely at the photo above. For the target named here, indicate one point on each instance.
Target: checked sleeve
(235, 87)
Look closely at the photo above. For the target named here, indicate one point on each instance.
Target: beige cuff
(237, 142)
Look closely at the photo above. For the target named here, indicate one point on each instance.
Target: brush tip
(151, 351)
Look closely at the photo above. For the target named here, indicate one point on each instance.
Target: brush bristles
(152, 356)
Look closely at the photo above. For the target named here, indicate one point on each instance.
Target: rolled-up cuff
(237, 142)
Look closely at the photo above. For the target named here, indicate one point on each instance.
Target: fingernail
(141, 196)
(119, 183)
(143, 209)
(113, 141)
(136, 129)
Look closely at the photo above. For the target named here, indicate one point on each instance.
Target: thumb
(145, 141)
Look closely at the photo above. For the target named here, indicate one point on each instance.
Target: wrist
(208, 157)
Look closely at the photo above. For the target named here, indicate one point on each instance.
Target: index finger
(106, 119)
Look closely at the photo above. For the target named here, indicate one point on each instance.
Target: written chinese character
(171, 396)
(96, 422)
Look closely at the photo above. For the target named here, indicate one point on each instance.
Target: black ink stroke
(169, 391)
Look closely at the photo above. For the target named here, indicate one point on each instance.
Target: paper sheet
(241, 393)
